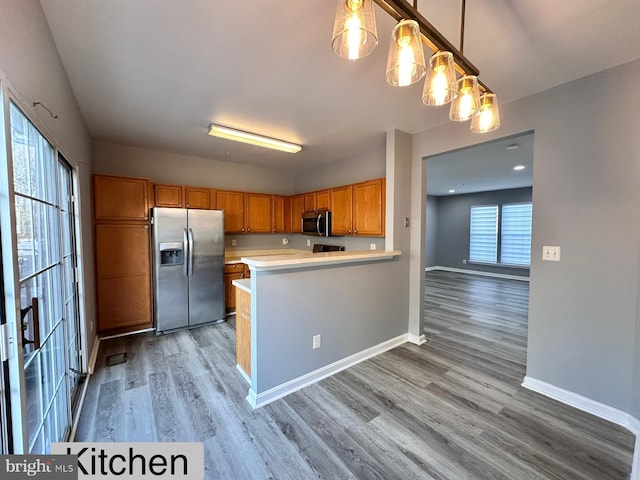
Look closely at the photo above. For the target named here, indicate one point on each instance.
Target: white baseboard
(595, 408)
(477, 272)
(243, 373)
(94, 355)
(416, 339)
(275, 393)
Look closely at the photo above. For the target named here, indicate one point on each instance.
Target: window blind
(515, 247)
(483, 243)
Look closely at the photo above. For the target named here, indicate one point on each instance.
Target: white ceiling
(483, 167)
(155, 73)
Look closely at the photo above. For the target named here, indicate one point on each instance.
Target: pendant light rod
(431, 37)
(464, 7)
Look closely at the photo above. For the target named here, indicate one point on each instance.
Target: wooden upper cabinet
(233, 205)
(212, 199)
(297, 209)
(341, 202)
(369, 208)
(120, 198)
(309, 201)
(258, 216)
(196, 197)
(168, 195)
(322, 200)
(281, 207)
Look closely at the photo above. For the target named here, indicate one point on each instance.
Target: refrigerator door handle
(190, 253)
(187, 253)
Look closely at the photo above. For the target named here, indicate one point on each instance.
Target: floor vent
(116, 359)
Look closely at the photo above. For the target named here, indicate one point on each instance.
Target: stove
(319, 247)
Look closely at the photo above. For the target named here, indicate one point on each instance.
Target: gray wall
(30, 61)
(367, 165)
(452, 229)
(583, 314)
(172, 168)
(431, 237)
(352, 314)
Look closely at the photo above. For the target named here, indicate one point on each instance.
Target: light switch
(551, 253)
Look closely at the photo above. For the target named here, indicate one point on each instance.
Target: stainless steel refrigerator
(188, 267)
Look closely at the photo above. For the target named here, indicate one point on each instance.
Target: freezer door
(169, 268)
(206, 266)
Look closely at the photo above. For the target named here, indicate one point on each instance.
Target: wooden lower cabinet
(233, 271)
(243, 330)
(123, 277)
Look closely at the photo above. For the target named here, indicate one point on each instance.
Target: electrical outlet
(373, 246)
(317, 340)
(464, 260)
(233, 242)
(285, 241)
(308, 242)
(551, 253)
(406, 222)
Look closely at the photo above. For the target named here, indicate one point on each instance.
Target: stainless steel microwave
(317, 222)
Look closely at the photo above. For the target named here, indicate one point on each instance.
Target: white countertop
(235, 256)
(243, 284)
(308, 259)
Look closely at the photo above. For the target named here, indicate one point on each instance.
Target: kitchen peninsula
(346, 300)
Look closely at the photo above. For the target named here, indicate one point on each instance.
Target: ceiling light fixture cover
(488, 119)
(252, 139)
(405, 63)
(440, 86)
(354, 29)
(467, 103)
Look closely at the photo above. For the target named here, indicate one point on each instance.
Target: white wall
(172, 168)
(583, 314)
(30, 62)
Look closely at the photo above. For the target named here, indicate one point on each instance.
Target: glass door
(5, 426)
(46, 264)
(69, 272)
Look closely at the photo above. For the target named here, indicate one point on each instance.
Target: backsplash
(298, 241)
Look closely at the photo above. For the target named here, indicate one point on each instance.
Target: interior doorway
(478, 242)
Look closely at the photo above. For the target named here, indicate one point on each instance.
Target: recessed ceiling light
(519, 167)
(513, 146)
(452, 191)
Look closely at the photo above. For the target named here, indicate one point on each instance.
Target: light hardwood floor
(450, 409)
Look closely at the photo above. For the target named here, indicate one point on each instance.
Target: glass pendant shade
(488, 119)
(405, 64)
(354, 30)
(467, 103)
(440, 86)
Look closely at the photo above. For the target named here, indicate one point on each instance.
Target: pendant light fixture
(440, 86)
(355, 36)
(354, 29)
(405, 63)
(467, 103)
(488, 118)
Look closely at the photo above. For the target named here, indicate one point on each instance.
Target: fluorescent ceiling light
(519, 167)
(252, 139)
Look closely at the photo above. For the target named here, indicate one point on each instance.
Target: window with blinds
(512, 239)
(515, 245)
(483, 243)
